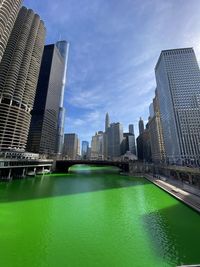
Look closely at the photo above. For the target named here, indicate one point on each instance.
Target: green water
(94, 217)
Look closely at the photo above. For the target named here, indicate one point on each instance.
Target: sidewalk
(188, 198)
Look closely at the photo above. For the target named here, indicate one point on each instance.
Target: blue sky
(114, 46)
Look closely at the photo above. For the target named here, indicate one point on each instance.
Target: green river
(94, 216)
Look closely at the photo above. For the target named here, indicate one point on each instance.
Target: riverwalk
(188, 198)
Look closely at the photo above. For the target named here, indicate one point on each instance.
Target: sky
(114, 47)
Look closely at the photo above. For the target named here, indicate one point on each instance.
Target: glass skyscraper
(46, 134)
(178, 87)
(114, 139)
(70, 149)
(84, 150)
(141, 126)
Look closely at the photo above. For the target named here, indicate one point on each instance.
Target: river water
(94, 216)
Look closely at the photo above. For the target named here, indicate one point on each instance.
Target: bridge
(62, 166)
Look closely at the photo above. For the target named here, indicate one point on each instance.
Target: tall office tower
(105, 145)
(107, 122)
(115, 140)
(128, 143)
(78, 148)
(63, 48)
(105, 137)
(84, 149)
(141, 126)
(70, 146)
(144, 145)
(97, 146)
(131, 128)
(132, 146)
(151, 110)
(46, 134)
(140, 145)
(178, 85)
(8, 13)
(156, 133)
(19, 70)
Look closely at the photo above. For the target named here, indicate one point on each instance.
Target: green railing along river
(94, 216)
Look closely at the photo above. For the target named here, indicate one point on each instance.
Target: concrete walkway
(188, 198)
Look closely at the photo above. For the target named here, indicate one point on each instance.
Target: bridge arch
(62, 166)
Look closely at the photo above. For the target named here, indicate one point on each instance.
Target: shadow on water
(79, 180)
(174, 233)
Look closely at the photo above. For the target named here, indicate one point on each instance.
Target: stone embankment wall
(139, 168)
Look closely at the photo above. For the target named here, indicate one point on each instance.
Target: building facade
(144, 145)
(131, 128)
(178, 85)
(141, 126)
(78, 156)
(70, 149)
(128, 143)
(107, 122)
(132, 144)
(97, 145)
(84, 149)
(46, 134)
(156, 133)
(19, 70)
(8, 13)
(115, 140)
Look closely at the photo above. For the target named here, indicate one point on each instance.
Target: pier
(20, 168)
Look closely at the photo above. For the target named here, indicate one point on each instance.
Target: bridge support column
(24, 172)
(9, 174)
(178, 176)
(190, 178)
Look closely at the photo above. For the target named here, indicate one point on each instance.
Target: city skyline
(113, 50)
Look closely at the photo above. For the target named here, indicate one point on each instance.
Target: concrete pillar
(178, 175)
(23, 172)
(190, 177)
(9, 174)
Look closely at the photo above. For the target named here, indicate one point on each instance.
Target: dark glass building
(84, 151)
(70, 149)
(46, 134)
(141, 126)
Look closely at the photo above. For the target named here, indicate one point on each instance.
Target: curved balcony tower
(19, 71)
(8, 13)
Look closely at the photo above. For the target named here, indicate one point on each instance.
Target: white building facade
(178, 87)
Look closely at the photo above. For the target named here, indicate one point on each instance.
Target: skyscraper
(132, 145)
(84, 150)
(156, 133)
(105, 136)
(46, 134)
(129, 143)
(97, 145)
(70, 149)
(78, 148)
(131, 128)
(115, 139)
(141, 126)
(19, 70)
(178, 85)
(63, 48)
(107, 122)
(8, 13)
(144, 145)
